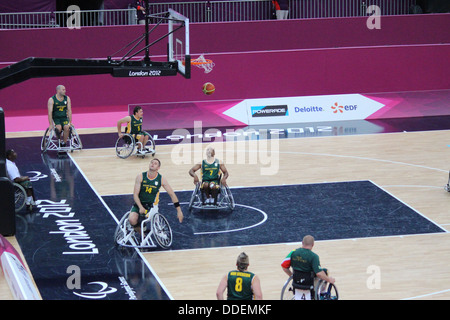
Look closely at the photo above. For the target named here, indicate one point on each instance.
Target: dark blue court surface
(68, 241)
(282, 214)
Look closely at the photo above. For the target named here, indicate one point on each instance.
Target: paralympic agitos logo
(269, 111)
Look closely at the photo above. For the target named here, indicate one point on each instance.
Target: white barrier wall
(304, 109)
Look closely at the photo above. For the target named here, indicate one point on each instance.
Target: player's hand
(142, 210)
(180, 215)
(224, 182)
(120, 134)
(196, 180)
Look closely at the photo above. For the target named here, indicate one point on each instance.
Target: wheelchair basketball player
(211, 176)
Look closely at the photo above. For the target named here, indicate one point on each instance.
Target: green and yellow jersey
(59, 108)
(240, 285)
(149, 193)
(134, 126)
(210, 171)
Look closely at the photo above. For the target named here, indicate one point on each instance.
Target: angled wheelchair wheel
(125, 146)
(123, 230)
(161, 231)
(194, 196)
(325, 291)
(287, 292)
(20, 196)
(75, 139)
(228, 197)
(151, 145)
(45, 142)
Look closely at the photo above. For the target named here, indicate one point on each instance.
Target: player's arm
(69, 109)
(286, 264)
(193, 170)
(50, 111)
(137, 189)
(173, 197)
(256, 287)
(221, 288)
(224, 174)
(322, 275)
(119, 124)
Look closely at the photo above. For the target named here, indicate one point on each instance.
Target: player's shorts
(142, 133)
(61, 121)
(26, 184)
(211, 184)
(135, 208)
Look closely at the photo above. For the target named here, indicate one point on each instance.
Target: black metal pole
(147, 52)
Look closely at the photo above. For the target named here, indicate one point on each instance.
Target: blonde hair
(242, 261)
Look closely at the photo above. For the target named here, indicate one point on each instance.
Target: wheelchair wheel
(287, 292)
(161, 231)
(151, 145)
(123, 229)
(227, 196)
(125, 146)
(194, 195)
(45, 142)
(20, 196)
(75, 139)
(325, 291)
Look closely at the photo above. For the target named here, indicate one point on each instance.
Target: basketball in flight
(208, 88)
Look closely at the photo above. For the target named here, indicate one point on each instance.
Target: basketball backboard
(179, 42)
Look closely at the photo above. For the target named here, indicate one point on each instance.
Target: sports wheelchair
(126, 146)
(20, 196)
(50, 141)
(154, 228)
(225, 199)
(320, 290)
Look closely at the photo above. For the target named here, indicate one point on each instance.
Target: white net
(202, 62)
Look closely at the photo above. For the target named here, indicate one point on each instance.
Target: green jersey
(59, 108)
(210, 171)
(149, 193)
(303, 260)
(240, 285)
(135, 126)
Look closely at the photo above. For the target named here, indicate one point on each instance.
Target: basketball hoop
(201, 62)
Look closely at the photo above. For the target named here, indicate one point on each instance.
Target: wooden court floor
(411, 166)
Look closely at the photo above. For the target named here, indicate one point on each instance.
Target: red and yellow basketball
(208, 88)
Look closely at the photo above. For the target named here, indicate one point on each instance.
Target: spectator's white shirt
(11, 170)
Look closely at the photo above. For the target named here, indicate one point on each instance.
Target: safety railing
(206, 11)
(69, 18)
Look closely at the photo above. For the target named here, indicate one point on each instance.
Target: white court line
(407, 205)
(117, 221)
(364, 158)
(238, 229)
(306, 153)
(427, 295)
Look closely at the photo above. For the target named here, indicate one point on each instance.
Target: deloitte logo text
(308, 109)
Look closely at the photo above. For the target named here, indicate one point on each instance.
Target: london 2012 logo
(101, 293)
